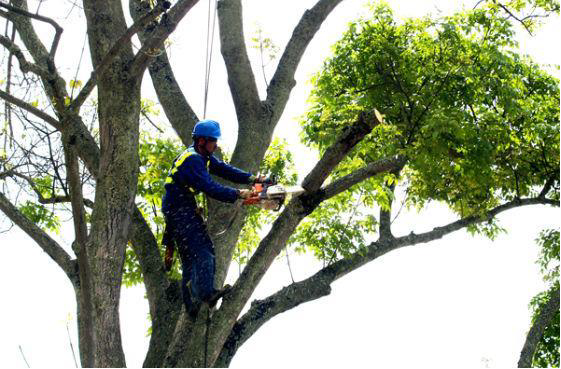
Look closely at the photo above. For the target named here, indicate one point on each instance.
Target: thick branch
(175, 105)
(161, 33)
(282, 228)
(283, 81)
(30, 108)
(370, 170)
(547, 313)
(81, 232)
(232, 45)
(50, 246)
(350, 136)
(318, 285)
(117, 47)
(262, 311)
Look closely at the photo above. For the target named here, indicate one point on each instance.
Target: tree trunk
(535, 334)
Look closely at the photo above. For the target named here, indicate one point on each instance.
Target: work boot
(192, 305)
(218, 294)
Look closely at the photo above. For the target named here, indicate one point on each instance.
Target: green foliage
(528, 12)
(337, 228)
(265, 45)
(156, 156)
(547, 350)
(478, 123)
(548, 261)
(41, 216)
(278, 162)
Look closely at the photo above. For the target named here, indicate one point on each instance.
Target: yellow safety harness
(200, 197)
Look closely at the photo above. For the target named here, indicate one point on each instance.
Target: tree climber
(184, 209)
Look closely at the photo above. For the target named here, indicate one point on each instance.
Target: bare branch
(283, 227)
(175, 105)
(283, 81)
(58, 29)
(55, 86)
(81, 231)
(167, 25)
(232, 46)
(30, 108)
(117, 47)
(50, 246)
(318, 285)
(24, 64)
(262, 311)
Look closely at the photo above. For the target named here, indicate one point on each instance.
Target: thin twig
(23, 356)
(289, 267)
(151, 122)
(71, 346)
(57, 27)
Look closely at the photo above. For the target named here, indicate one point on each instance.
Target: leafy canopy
(478, 122)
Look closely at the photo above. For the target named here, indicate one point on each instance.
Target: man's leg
(182, 220)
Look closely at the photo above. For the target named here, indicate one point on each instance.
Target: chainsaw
(271, 196)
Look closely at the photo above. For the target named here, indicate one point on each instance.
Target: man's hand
(245, 194)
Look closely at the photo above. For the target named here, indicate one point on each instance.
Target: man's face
(210, 145)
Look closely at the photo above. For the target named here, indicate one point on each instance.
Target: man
(188, 177)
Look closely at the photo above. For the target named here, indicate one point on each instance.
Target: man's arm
(231, 173)
(193, 173)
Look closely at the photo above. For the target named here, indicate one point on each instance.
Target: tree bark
(535, 334)
(119, 109)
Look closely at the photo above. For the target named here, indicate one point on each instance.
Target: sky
(459, 301)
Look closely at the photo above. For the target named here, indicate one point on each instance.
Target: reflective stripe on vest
(177, 163)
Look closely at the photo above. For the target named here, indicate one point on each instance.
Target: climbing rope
(209, 48)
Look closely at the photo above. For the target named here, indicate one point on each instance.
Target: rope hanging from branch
(209, 48)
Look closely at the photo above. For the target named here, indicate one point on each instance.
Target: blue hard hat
(207, 128)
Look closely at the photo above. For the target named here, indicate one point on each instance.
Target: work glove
(244, 194)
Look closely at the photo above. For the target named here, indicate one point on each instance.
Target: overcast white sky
(461, 301)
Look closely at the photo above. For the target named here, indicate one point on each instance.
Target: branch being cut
(282, 228)
(335, 153)
(50, 246)
(319, 284)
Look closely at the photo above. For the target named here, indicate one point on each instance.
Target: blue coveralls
(188, 176)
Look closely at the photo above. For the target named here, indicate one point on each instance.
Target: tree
(449, 133)
(541, 348)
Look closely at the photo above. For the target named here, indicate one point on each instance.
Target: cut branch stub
(350, 136)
